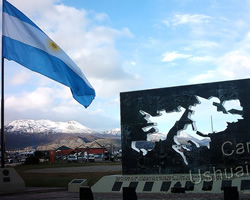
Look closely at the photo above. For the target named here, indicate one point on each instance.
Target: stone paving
(63, 194)
(36, 193)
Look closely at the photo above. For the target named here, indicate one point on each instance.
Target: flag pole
(2, 117)
(2, 103)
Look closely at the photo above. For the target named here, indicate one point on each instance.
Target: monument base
(75, 184)
(175, 183)
(10, 181)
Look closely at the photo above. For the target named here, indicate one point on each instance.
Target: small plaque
(6, 172)
(6, 179)
(77, 180)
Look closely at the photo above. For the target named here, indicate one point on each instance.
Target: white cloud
(202, 59)
(166, 22)
(244, 44)
(109, 88)
(190, 19)
(101, 16)
(31, 6)
(40, 98)
(199, 25)
(133, 63)
(171, 56)
(209, 75)
(198, 44)
(232, 65)
(20, 78)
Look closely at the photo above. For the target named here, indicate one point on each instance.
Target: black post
(2, 104)
(86, 193)
(2, 117)
(129, 193)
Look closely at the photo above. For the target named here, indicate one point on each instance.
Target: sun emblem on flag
(53, 46)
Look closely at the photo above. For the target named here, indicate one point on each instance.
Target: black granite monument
(196, 129)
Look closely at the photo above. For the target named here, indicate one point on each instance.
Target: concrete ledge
(10, 181)
(168, 184)
(75, 184)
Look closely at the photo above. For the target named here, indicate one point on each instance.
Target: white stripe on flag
(19, 30)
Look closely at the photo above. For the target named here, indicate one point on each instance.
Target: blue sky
(129, 45)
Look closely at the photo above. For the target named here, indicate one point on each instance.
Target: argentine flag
(25, 43)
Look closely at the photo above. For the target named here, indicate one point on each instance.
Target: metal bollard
(231, 193)
(128, 193)
(86, 193)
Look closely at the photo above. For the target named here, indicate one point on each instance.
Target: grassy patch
(62, 164)
(60, 179)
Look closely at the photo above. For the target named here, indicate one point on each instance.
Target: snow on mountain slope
(47, 126)
(184, 137)
(115, 131)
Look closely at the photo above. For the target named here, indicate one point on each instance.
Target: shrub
(32, 160)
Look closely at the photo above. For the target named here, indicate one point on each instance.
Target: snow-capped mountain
(115, 131)
(46, 134)
(184, 137)
(47, 126)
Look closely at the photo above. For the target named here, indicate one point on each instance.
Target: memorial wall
(195, 129)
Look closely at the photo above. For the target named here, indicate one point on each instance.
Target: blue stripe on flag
(29, 47)
(55, 69)
(11, 10)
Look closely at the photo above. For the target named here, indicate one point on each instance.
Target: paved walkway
(63, 194)
(37, 193)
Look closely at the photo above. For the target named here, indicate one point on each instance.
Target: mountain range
(46, 134)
